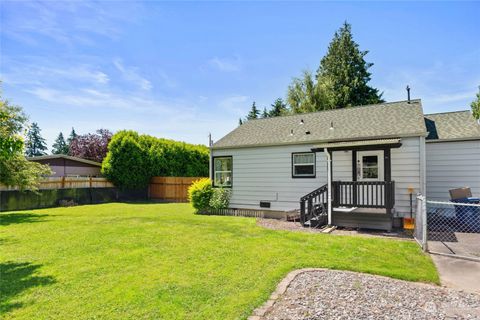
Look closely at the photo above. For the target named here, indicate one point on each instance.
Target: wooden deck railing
(364, 194)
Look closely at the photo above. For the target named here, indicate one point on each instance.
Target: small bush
(220, 198)
(200, 193)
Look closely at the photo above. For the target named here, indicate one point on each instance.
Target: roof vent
(408, 93)
(291, 132)
(301, 121)
(331, 125)
(307, 132)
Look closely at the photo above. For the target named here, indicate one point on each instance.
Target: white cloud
(35, 73)
(89, 98)
(131, 74)
(226, 64)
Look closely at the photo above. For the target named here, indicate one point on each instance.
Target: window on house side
(222, 175)
(303, 165)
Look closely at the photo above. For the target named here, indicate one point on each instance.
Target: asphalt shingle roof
(386, 120)
(452, 126)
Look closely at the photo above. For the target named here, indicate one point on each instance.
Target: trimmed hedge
(204, 197)
(132, 159)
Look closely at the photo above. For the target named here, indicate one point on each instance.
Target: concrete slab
(457, 273)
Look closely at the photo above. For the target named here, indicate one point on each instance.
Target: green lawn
(160, 261)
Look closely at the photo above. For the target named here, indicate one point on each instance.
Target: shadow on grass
(14, 218)
(16, 277)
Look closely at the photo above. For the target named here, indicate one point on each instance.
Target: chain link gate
(448, 228)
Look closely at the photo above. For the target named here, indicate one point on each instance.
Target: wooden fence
(171, 189)
(68, 183)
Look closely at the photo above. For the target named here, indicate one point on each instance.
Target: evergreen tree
(73, 136)
(240, 122)
(254, 112)
(343, 74)
(265, 113)
(476, 105)
(35, 144)
(60, 146)
(279, 108)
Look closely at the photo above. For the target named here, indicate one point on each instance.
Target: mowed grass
(160, 261)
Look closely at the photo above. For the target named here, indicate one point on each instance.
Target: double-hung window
(303, 165)
(222, 171)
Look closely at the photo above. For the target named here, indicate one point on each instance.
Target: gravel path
(328, 294)
(276, 224)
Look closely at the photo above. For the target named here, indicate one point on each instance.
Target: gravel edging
(316, 293)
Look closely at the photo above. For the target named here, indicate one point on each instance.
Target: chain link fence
(449, 228)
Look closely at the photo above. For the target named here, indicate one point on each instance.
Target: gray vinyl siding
(452, 165)
(265, 174)
(406, 172)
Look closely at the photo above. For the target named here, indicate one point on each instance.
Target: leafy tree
(343, 73)
(476, 105)
(35, 144)
(91, 146)
(254, 112)
(15, 169)
(265, 113)
(132, 159)
(279, 108)
(13, 120)
(304, 95)
(60, 146)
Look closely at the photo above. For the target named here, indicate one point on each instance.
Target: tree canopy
(60, 146)
(476, 105)
(35, 144)
(15, 169)
(254, 112)
(343, 73)
(132, 159)
(91, 146)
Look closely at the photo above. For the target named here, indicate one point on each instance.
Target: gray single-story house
(68, 166)
(362, 165)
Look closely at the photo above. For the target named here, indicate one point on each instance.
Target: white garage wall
(452, 165)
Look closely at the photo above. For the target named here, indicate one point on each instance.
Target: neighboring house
(453, 153)
(378, 159)
(67, 166)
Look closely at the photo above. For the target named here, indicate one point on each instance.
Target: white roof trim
(357, 143)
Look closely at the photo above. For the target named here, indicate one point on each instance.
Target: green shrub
(132, 159)
(220, 198)
(200, 193)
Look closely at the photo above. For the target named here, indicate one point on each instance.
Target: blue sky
(181, 70)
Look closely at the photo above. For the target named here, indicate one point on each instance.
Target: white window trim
(222, 171)
(313, 175)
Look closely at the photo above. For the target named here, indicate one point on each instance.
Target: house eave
(413, 135)
(452, 140)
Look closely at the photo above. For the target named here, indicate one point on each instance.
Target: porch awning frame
(358, 145)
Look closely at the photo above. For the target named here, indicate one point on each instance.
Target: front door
(370, 165)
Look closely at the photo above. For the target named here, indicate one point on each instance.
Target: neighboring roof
(379, 121)
(357, 143)
(62, 156)
(458, 125)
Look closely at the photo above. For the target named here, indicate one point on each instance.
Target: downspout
(210, 144)
(329, 186)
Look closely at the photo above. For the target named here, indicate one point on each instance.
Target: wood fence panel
(172, 189)
(68, 183)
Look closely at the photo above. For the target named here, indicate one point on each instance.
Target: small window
(222, 171)
(370, 167)
(303, 165)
